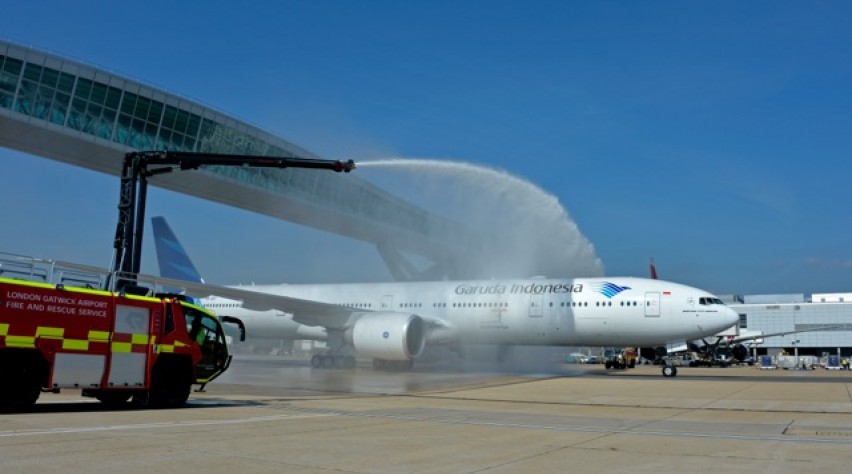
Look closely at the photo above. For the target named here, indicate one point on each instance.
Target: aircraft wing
(774, 334)
(307, 312)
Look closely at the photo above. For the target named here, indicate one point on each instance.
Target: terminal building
(817, 326)
(64, 110)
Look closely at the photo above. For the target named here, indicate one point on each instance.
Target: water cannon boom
(141, 165)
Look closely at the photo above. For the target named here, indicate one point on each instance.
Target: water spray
(524, 231)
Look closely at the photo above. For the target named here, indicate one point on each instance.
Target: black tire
(171, 382)
(316, 361)
(20, 396)
(21, 376)
(669, 371)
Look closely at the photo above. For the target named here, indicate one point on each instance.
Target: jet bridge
(65, 110)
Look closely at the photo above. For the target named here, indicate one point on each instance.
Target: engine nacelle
(388, 336)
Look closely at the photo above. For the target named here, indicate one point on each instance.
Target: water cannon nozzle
(345, 166)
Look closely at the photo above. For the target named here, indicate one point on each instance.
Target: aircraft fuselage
(588, 312)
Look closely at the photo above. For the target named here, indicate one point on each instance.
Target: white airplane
(393, 322)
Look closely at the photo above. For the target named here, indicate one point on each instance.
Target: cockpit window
(707, 300)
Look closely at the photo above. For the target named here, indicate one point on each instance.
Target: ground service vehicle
(623, 359)
(112, 346)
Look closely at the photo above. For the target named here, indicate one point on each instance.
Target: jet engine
(739, 352)
(388, 336)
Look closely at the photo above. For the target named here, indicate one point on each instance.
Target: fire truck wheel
(19, 397)
(25, 389)
(170, 385)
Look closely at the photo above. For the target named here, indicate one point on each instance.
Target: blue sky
(713, 136)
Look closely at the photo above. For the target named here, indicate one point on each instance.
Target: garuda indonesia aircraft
(393, 322)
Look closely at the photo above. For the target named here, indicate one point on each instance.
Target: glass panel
(181, 121)
(84, 88)
(66, 82)
(25, 97)
(59, 108)
(32, 72)
(94, 110)
(150, 136)
(8, 82)
(90, 118)
(128, 103)
(50, 77)
(105, 125)
(155, 112)
(113, 98)
(163, 140)
(136, 132)
(98, 93)
(122, 131)
(42, 103)
(169, 117)
(142, 107)
(5, 100)
(13, 66)
(192, 126)
(207, 130)
(78, 113)
(176, 142)
(61, 99)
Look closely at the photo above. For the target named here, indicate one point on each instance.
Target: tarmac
(269, 415)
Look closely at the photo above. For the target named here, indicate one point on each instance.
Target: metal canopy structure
(64, 110)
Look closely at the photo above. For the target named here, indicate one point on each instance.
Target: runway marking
(149, 426)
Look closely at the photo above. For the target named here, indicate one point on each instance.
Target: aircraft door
(652, 305)
(536, 306)
(387, 302)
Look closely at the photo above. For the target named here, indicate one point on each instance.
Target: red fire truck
(112, 346)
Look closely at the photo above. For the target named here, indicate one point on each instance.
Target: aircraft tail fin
(171, 257)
